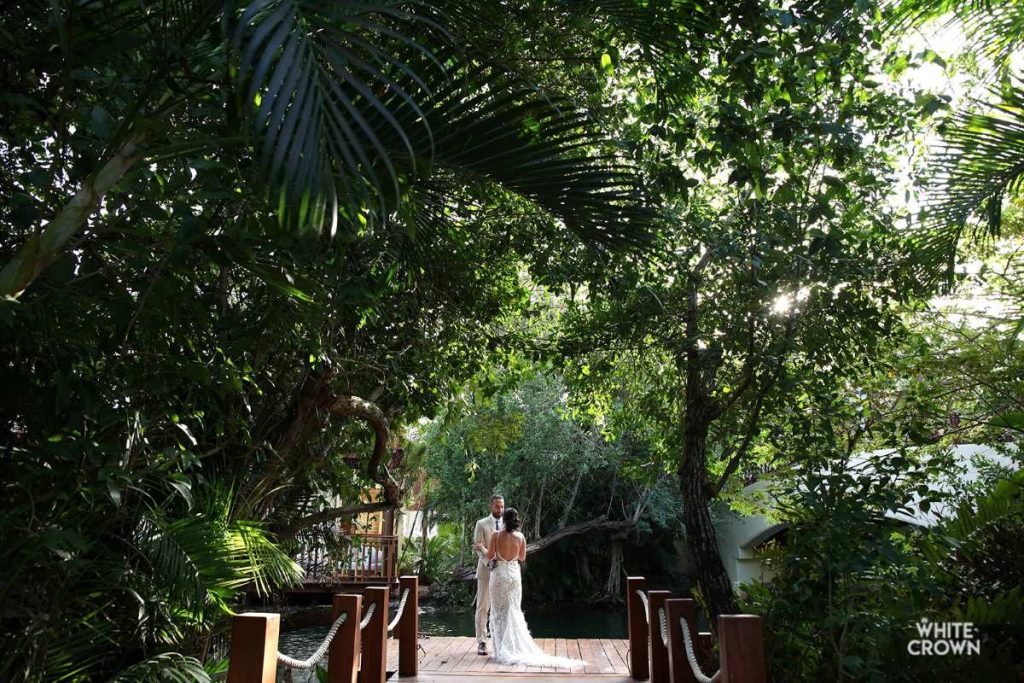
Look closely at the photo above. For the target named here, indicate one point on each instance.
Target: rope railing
(647, 606)
(663, 622)
(368, 617)
(317, 656)
(399, 611)
(692, 658)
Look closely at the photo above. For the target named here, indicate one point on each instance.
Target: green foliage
(171, 347)
(979, 164)
(165, 668)
(557, 471)
(848, 583)
(437, 562)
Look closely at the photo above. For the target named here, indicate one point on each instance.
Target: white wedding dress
(512, 641)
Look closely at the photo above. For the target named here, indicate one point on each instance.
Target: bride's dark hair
(510, 520)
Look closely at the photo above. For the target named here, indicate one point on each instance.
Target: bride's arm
(522, 548)
(490, 547)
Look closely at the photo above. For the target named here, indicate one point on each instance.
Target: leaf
(1013, 420)
(606, 65)
(114, 491)
(184, 428)
(279, 278)
(184, 488)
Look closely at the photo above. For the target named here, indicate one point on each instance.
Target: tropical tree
(169, 341)
(329, 113)
(778, 268)
(582, 499)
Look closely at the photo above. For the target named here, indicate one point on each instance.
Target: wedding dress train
(512, 641)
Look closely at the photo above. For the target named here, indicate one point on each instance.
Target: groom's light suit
(482, 534)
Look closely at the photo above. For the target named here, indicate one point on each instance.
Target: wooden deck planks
(442, 655)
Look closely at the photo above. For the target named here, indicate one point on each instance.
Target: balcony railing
(366, 558)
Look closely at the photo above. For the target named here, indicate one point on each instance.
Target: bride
(512, 641)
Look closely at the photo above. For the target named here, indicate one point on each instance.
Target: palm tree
(337, 113)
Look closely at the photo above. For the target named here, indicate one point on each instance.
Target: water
(562, 622)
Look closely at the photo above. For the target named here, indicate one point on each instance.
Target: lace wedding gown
(511, 638)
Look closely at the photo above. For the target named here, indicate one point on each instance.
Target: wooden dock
(448, 658)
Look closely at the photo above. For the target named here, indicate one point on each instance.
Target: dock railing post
(408, 629)
(375, 651)
(253, 657)
(343, 655)
(741, 649)
(639, 665)
(659, 646)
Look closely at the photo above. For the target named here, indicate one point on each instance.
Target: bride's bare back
(507, 546)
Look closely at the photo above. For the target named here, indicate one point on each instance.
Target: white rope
(694, 666)
(398, 612)
(314, 658)
(663, 620)
(368, 616)
(647, 607)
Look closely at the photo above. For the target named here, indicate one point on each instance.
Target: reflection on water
(561, 622)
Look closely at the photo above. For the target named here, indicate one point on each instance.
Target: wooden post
(375, 650)
(706, 651)
(639, 666)
(741, 649)
(343, 655)
(678, 665)
(659, 649)
(408, 629)
(253, 657)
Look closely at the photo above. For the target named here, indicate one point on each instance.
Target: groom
(481, 537)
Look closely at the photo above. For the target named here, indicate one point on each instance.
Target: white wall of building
(739, 535)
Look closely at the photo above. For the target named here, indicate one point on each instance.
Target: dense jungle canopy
(266, 265)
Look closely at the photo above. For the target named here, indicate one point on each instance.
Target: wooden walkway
(444, 657)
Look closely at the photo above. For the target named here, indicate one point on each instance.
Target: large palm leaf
(351, 111)
(981, 159)
(980, 162)
(993, 28)
(202, 560)
(344, 99)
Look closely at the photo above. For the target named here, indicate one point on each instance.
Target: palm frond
(169, 667)
(202, 560)
(313, 73)
(351, 111)
(994, 28)
(1006, 500)
(485, 126)
(981, 161)
(1005, 607)
(259, 560)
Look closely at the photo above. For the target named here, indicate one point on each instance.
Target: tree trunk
(613, 587)
(42, 248)
(600, 525)
(572, 500)
(700, 532)
(425, 521)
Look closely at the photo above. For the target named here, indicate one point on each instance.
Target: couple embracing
(500, 547)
